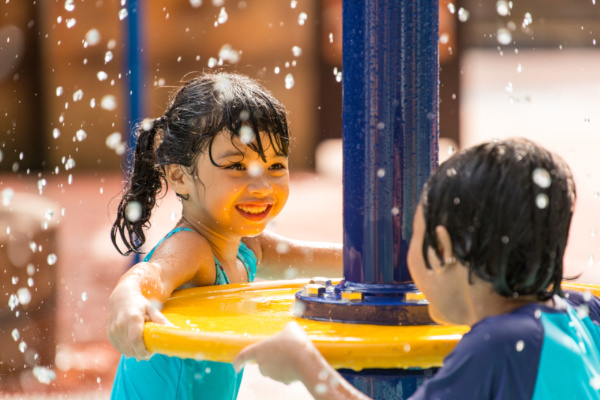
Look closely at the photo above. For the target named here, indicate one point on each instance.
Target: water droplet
(15, 280)
(289, 81)
(59, 91)
(509, 87)
(13, 301)
(70, 179)
(380, 173)
(380, 126)
(395, 211)
(102, 76)
(583, 311)
(591, 260)
(92, 37)
(302, 18)
(255, 168)
(84, 296)
(276, 70)
(222, 18)
(541, 177)
(541, 201)
(504, 36)
(22, 347)
(520, 345)
(298, 309)
(173, 215)
(502, 8)
(406, 348)
(229, 54)
(24, 296)
(69, 5)
(282, 247)
(593, 232)
(338, 76)
(69, 164)
(538, 313)
(451, 172)
(41, 184)
(519, 68)
(15, 334)
(331, 38)
(81, 135)
(51, 259)
(196, 3)
(321, 388)
(463, 15)
(587, 296)
(44, 375)
(296, 51)
(451, 8)
(70, 22)
(595, 382)
(246, 134)
(505, 239)
(527, 20)
(123, 14)
(293, 3)
(30, 282)
(133, 211)
(108, 56)
(108, 102)
(8, 195)
(218, 3)
(212, 62)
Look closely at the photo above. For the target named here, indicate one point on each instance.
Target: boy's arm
(141, 291)
(276, 254)
(291, 356)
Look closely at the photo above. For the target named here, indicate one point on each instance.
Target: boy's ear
(444, 245)
(177, 178)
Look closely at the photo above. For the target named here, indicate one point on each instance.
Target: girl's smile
(254, 211)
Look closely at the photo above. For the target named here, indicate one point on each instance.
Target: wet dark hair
(507, 206)
(198, 111)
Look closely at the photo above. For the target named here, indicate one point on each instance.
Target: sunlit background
(508, 68)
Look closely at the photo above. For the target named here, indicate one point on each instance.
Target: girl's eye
(236, 167)
(277, 167)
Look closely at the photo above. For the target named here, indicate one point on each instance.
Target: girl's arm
(142, 290)
(290, 356)
(277, 254)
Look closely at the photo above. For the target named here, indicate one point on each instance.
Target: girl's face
(442, 285)
(241, 195)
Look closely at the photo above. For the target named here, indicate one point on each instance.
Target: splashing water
(22, 347)
(463, 15)
(395, 211)
(282, 247)
(123, 14)
(293, 3)
(451, 8)
(51, 259)
(84, 296)
(541, 177)
(276, 70)
(147, 125)
(69, 164)
(102, 76)
(289, 81)
(8, 195)
(81, 135)
(229, 54)
(541, 201)
(44, 375)
(223, 17)
(15, 335)
(71, 22)
(246, 134)
(591, 260)
(108, 57)
(133, 211)
(92, 37)
(195, 3)
(255, 169)
(55, 133)
(24, 296)
(212, 62)
(108, 102)
(502, 8)
(296, 51)
(520, 345)
(69, 5)
(302, 18)
(509, 87)
(59, 91)
(13, 301)
(527, 20)
(41, 184)
(380, 173)
(503, 36)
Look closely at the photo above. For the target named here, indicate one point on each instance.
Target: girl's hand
(128, 311)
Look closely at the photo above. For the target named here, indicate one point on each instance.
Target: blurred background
(507, 68)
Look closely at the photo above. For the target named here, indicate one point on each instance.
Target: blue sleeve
(497, 359)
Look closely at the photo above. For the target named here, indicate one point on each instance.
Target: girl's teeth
(253, 210)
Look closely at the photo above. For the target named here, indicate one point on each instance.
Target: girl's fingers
(243, 357)
(154, 315)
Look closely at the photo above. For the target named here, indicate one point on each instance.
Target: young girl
(222, 146)
(487, 251)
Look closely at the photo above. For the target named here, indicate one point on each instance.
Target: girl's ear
(444, 246)
(177, 179)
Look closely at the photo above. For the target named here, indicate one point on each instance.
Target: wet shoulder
(586, 299)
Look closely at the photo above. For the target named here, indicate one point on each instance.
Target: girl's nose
(260, 185)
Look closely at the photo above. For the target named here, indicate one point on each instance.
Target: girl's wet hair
(507, 206)
(198, 111)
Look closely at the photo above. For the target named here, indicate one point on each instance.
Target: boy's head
(507, 206)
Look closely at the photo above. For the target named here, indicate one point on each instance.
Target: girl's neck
(224, 248)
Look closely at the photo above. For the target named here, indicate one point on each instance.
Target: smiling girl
(222, 147)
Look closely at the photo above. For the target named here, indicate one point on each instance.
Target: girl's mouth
(254, 212)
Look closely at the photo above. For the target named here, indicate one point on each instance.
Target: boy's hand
(128, 312)
(279, 356)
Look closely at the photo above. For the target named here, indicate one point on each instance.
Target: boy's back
(535, 352)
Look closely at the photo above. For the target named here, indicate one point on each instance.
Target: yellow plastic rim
(216, 322)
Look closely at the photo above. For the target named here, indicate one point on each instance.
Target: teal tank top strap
(168, 235)
(247, 257)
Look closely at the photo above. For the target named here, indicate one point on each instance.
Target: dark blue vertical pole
(134, 67)
(390, 130)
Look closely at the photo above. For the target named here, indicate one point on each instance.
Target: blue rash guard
(533, 353)
(164, 377)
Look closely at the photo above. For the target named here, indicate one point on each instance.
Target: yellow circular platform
(216, 322)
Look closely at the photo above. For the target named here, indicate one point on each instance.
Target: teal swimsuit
(164, 377)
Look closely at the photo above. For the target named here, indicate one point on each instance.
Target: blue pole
(390, 129)
(134, 67)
